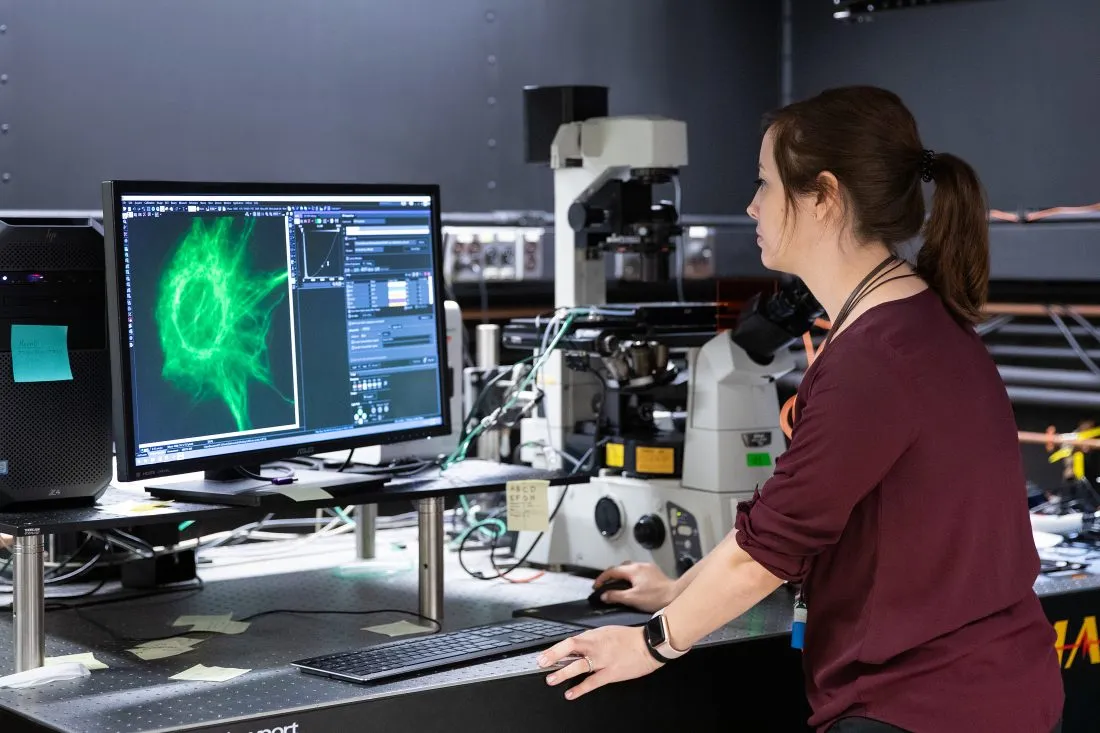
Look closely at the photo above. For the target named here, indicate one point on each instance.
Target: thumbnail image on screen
(221, 310)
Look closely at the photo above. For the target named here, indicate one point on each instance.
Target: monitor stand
(238, 487)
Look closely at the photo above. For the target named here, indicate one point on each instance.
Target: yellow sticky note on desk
(220, 626)
(150, 654)
(399, 628)
(196, 620)
(175, 642)
(223, 624)
(303, 493)
(162, 648)
(202, 673)
(87, 659)
(528, 505)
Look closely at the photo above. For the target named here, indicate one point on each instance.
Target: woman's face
(783, 241)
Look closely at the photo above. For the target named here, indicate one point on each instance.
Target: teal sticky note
(40, 353)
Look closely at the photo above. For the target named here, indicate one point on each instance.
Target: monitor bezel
(122, 377)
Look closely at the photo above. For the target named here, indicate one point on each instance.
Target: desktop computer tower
(55, 438)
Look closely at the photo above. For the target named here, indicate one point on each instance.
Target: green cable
(459, 453)
(480, 526)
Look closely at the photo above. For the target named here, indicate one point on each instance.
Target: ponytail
(954, 259)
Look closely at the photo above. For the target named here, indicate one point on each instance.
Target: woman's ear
(827, 203)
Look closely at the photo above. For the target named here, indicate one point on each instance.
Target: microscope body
(668, 484)
(605, 170)
(731, 441)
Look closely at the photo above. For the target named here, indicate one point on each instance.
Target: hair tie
(926, 159)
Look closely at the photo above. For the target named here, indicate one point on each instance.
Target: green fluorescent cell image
(214, 315)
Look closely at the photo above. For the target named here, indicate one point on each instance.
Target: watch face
(655, 631)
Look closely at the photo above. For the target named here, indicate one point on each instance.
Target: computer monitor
(256, 322)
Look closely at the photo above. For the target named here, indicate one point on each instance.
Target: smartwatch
(657, 639)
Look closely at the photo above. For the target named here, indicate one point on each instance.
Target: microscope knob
(582, 217)
(649, 532)
(684, 563)
(609, 517)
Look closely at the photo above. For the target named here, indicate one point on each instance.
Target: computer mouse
(594, 599)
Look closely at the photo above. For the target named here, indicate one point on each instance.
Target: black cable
(78, 609)
(82, 570)
(122, 637)
(132, 546)
(485, 390)
(432, 621)
(518, 563)
(136, 540)
(493, 547)
(73, 575)
(245, 531)
(84, 594)
(198, 586)
(397, 469)
(587, 463)
(244, 472)
(462, 546)
(589, 456)
(80, 548)
(347, 461)
(49, 607)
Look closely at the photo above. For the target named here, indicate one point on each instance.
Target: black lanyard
(874, 279)
(869, 284)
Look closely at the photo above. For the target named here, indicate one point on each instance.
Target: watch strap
(656, 654)
(665, 652)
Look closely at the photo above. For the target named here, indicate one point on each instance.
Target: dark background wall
(1011, 85)
(431, 89)
(357, 90)
(349, 90)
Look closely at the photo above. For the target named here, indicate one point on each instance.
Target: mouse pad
(581, 613)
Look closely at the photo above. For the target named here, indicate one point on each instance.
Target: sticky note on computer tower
(40, 353)
(528, 506)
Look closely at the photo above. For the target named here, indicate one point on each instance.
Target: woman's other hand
(650, 589)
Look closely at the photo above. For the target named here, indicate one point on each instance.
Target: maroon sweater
(901, 509)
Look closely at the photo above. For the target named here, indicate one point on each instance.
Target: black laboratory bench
(720, 686)
(718, 683)
(130, 506)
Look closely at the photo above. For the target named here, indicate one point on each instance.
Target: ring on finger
(591, 667)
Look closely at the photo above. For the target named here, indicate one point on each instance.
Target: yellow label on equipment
(615, 455)
(655, 460)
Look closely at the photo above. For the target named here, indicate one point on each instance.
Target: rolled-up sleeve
(856, 421)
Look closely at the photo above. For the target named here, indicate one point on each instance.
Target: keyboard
(439, 651)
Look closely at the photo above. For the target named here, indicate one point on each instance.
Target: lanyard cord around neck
(869, 284)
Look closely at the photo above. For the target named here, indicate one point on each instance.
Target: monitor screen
(267, 321)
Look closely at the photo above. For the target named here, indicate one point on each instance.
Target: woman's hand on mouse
(605, 655)
(650, 589)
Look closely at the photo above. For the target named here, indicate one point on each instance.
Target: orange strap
(787, 411)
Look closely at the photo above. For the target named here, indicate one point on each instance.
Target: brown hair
(868, 139)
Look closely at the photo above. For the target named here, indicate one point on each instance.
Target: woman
(899, 506)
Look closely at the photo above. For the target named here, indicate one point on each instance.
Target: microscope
(675, 415)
